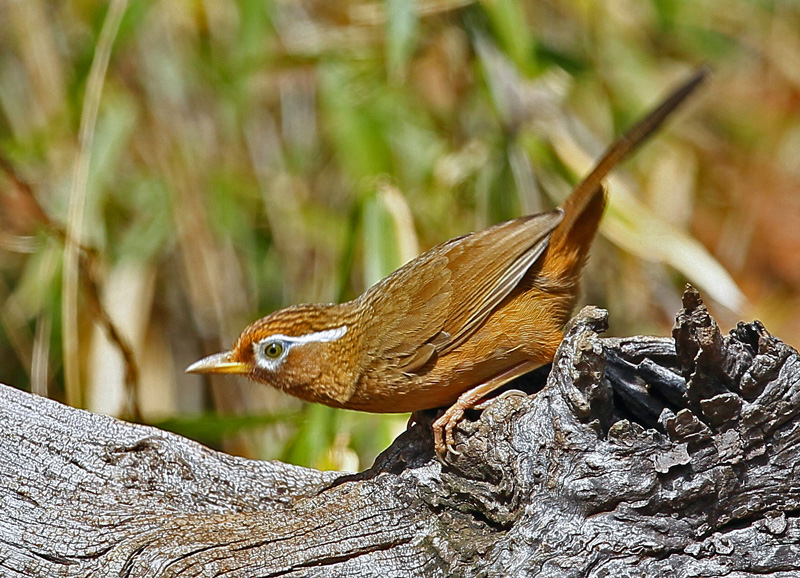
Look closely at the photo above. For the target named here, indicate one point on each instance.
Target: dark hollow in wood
(640, 457)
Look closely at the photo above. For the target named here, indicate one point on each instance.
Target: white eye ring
(270, 352)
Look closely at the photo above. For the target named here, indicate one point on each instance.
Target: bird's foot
(443, 427)
(443, 441)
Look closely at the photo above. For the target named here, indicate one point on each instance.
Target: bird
(450, 326)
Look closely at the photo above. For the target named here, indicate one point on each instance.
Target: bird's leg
(443, 426)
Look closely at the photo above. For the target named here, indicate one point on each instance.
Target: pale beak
(218, 363)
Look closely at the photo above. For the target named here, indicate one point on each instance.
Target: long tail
(569, 242)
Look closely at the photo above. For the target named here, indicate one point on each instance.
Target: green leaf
(211, 428)
(512, 31)
(388, 234)
(401, 31)
(353, 123)
(316, 433)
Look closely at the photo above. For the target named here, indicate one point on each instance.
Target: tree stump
(639, 457)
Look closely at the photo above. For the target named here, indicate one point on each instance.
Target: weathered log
(639, 457)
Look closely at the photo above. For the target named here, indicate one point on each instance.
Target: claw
(451, 442)
(443, 439)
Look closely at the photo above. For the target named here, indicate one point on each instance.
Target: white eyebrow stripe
(316, 337)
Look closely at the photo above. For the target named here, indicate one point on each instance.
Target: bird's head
(302, 350)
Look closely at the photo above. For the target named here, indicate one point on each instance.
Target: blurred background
(172, 170)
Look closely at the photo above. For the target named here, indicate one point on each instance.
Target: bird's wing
(435, 302)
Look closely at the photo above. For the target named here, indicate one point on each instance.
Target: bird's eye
(273, 349)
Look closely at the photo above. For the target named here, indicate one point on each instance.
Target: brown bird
(448, 327)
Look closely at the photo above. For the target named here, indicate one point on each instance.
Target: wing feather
(434, 303)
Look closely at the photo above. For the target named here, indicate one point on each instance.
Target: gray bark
(634, 460)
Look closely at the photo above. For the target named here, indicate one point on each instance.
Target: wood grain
(637, 458)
